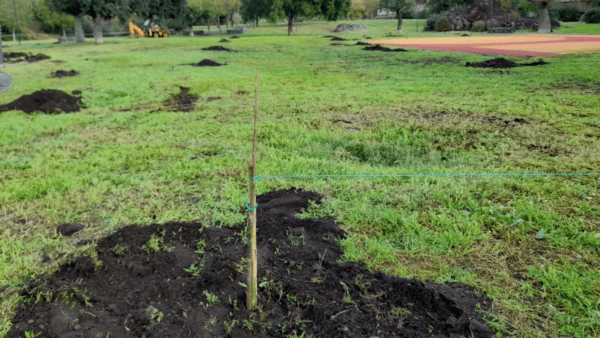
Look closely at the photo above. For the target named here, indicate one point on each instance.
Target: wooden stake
(251, 293)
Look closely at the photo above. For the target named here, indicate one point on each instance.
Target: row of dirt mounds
(206, 63)
(20, 57)
(188, 280)
(184, 101)
(64, 73)
(217, 48)
(49, 101)
(502, 63)
(384, 49)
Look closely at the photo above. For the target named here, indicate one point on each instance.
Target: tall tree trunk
(79, 36)
(545, 24)
(64, 32)
(219, 24)
(291, 24)
(191, 30)
(208, 24)
(98, 29)
(257, 21)
(399, 29)
(14, 36)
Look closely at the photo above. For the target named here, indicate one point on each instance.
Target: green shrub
(442, 25)
(431, 21)
(564, 13)
(592, 16)
(478, 26)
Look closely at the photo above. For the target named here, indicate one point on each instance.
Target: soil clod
(360, 43)
(187, 280)
(224, 40)
(183, 102)
(217, 48)
(64, 73)
(49, 101)
(337, 38)
(464, 34)
(69, 229)
(207, 63)
(76, 92)
(235, 37)
(384, 49)
(20, 57)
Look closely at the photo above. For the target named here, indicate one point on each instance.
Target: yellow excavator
(150, 30)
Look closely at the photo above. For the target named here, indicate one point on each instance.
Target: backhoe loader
(150, 30)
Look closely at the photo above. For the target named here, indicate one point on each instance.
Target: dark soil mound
(207, 63)
(224, 40)
(20, 57)
(217, 48)
(368, 38)
(494, 63)
(337, 38)
(500, 16)
(235, 37)
(384, 49)
(503, 63)
(48, 101)
(187, 280)
(64, 73)
(183, 101)
(464, 34)
(360, 43)
(328, 36)
(537, 63)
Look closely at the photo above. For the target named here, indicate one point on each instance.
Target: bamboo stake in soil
(251, 293)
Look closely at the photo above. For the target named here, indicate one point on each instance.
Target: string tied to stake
(248, 206)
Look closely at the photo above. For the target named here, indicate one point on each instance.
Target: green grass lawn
(532, 244)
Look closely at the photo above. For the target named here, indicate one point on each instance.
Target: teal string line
(248, 206)
(255, 179)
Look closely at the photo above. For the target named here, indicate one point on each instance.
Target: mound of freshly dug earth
(64, 73)
(19, 57)
(224, 40)
(207, 63)
(328, 36)
(187, 280)
(217, 48)
(464, 34)
(502, 63)
(336, 38)
(183, 101)
(360, 43)
(347, 28)
(537, 63)
(235, 37)
(368, 38)
(384, 49)
(49, 101)
(493, 63)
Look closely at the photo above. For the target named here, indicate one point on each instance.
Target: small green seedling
(119, 250)
(212, 299)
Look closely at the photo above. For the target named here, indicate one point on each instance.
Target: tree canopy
(440, 6)
(157, 9)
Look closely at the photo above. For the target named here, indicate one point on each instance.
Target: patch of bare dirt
(188, 280)
(183, 102)
(64, 73)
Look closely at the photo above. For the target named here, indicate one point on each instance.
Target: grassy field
(532, 244)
